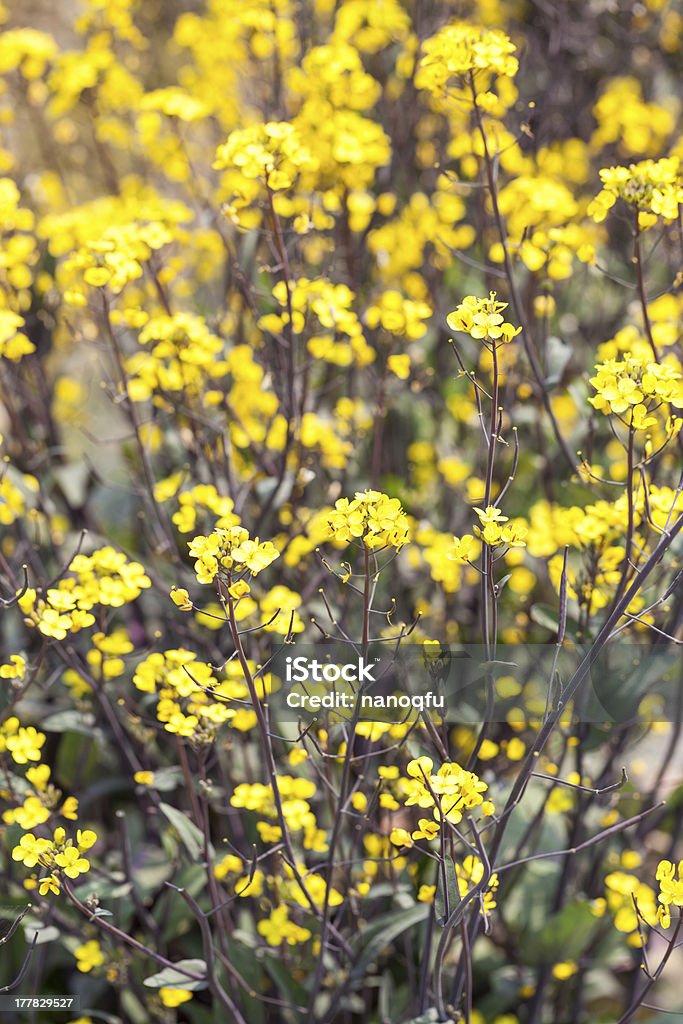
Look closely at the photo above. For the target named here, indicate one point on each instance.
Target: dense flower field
(341, 326)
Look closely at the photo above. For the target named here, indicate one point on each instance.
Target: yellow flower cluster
(462, 49)
(432, 222)
(624, 118)
(295, 794)
(23, 743)
(670, 878)
(278, 928)
(543, 220)
(398, 315)
(623, 891)
(327, 309)
(14, 344)
(18, 256)
(634, 389)
(59, 856)
(450, 792)
(376, 519)
(227, 553)
(185, 687)
(115, 259)
(88, 955)
(26, 50)
(270, 156)
(481, 319)
(180, 354)
(105, 577)
(43, 798)
(15, 668)
(495, 530)
(469, 874)
(271, 153)
(195, 502)
(653, 187)
(200, 497)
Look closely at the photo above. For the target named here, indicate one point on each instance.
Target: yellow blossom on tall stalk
(450, 792)
(482, 320)
(461, 49)
(670, 878)
(372, 517)
(653, 187)
(636, 390)
(225, 553)
(493, 531)
(61, 856)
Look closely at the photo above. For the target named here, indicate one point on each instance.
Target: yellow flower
(71, 862)
(144, 778)
(85, 838)
(426, 829)
(400, 837)
(400, 366)
(461, 49)
(469, 874)
(228, 549)
(670, 878)
(481, 319)
(32, 851)
(49, 884)
(172, 997)
(278, 928)
(181, 599)
(14, 344)
(16, 669)
(39, 776)
(25, 744)
(69, 808)
(654, 188)
(89, 955)
(371, 516)
(564, 970)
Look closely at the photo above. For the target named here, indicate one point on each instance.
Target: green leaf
(564, 935)
(547, 617)
(79, 760)
(173, 978)
(177, 917)
(284, 981)
(153, 872)
(189, 834)
(71, 721)
(135, 1012)
(443, 907)
(382, 932)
